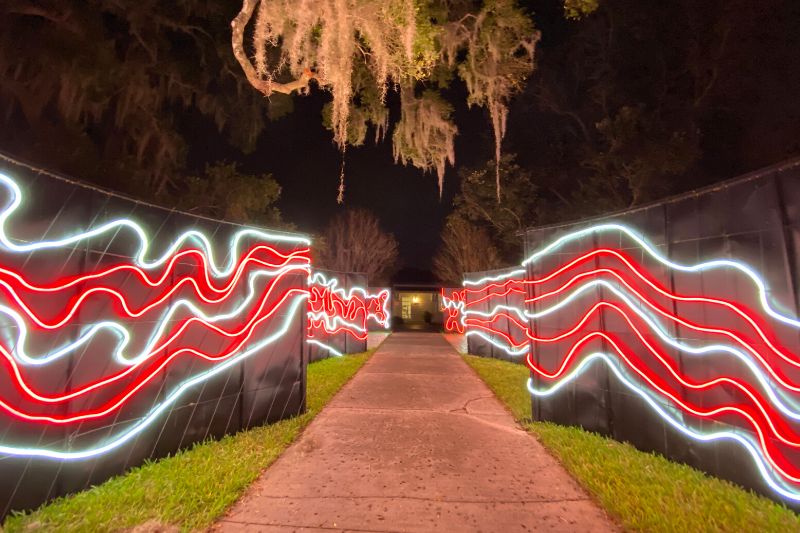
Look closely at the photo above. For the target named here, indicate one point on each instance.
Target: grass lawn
(642, 491)
(194, 487)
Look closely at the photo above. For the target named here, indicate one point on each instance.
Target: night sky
(750, 119)
(298, 151)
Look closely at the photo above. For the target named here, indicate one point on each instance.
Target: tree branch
(63, 19)
(714, 69)
(266, 86)
(560, 196)
(548, 101)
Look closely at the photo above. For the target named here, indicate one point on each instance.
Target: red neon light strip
(126, 311)
(121, 398)
(157, 349)
(765, 444)
(762, 414)
(747, 316)
(742, 411)
(742, 386)
(782, 379)
(144, 277)
(353, 310)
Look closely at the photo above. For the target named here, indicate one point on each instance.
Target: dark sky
(298, 151)
(300, 155)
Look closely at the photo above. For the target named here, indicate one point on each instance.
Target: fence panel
(125, 338)
(487, 304)
(673, 326)
(342, 310)
(686, 365)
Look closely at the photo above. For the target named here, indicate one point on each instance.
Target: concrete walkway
(415, 442)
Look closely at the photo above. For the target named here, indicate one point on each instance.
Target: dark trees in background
(101, 89)
(355, 242)
(465, 248)
(503, 220)
(224, 192)
(646, 98)
(630, 102)
(641, 100)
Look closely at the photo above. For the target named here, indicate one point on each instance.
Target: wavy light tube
(144, 243)
(120, 375)
(763, 380)
(729, 305)
(679, 320)
(20, 353)
(494, 278)
(121, 299)
(708, 265)
(680, 378)
(317, 278)
(334, 351)
(118, 401)
(677, 401)
(145, 278)
(694, 299)
(140, 426)
(703, 437)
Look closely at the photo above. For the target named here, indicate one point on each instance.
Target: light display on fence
(755, 407)
(452, 307)
(152, 307)
(334, 310)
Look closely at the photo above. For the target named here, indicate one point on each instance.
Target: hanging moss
(360, 49)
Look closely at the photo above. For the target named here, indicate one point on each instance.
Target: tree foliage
(424, 136)
(630, 109)
(642, 99)
(355, 242)
(99, 88)
(224, 192)
(502, 220)
(360, 49)
(575, 9)
(636, 156)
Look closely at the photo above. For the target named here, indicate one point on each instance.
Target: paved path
(415, 442)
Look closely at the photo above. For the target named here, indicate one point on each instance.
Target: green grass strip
(194, 487)
(642, 491)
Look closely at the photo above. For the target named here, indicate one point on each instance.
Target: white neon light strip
(145, 422)
(708, 265)
(317, 278)
(766, 472)
(121, 332)
(777, 396)
(334, 351)
(494, 278)
(144, 244)
(510, 351)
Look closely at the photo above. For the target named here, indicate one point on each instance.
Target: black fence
(483, 298)
(754, 220)
(673, 326)
(327, 342)
(154, 353)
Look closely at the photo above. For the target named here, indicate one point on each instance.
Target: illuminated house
(417, 304)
